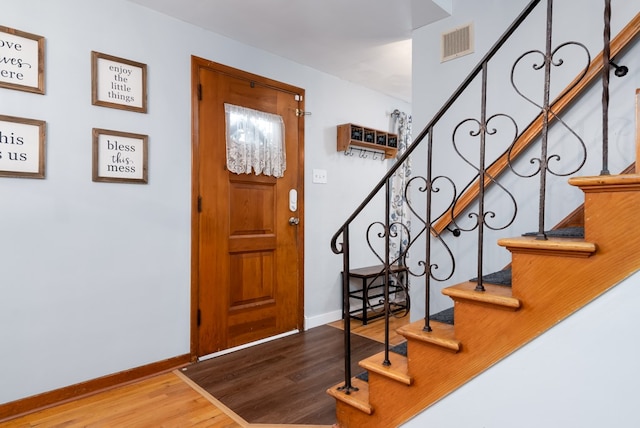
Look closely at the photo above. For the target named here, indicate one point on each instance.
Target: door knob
(294, 221)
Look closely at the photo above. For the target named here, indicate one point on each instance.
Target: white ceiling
(363, 41)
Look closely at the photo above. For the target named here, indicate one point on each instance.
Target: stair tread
(568, 247)
(604, 183)
(400, 348)
(358, 399)
(441, 334)
(398, 370)
(497, 295)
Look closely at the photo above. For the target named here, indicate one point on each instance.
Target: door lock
(294, 221)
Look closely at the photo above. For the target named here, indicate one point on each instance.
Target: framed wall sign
(22, 147)
(118, 83)
(21, 60)
(119, 156)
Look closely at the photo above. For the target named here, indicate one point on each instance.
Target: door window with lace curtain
(255, 141)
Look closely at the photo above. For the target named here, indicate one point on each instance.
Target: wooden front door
(247, 242)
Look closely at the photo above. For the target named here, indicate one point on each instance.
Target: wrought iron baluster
(346, 313)
(547, 115)
(481, 216)
(429, 222)
(544, 162)
(431, 268)
(387, 306)
(606, 53)
(483, 142)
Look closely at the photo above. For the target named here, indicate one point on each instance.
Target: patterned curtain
(255, 140)
(400, 213)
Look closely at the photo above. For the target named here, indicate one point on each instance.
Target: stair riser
(389, 402)
(542, 281)
(607, 219)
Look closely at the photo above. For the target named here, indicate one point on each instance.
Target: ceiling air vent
(457, 42)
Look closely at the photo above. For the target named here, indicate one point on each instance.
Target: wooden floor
(162, 401)
(283, 381)
(174, 400)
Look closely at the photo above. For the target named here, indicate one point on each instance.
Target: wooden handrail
(533, 131)
(637, 128)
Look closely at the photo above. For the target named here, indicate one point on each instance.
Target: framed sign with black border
(21, 60)
(119, 156)
(22, 147)
(118, 83)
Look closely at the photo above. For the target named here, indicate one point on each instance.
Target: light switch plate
(319, 176)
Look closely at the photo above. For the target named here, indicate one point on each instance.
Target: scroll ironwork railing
(469, 141)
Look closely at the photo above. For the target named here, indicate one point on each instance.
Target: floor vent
(457, 42)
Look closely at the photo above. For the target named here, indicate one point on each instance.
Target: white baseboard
(318, 320)
(309, 322)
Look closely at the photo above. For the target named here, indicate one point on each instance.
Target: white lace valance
(255, 140)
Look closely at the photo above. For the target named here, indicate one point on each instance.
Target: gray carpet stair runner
(445, 316)
(565, 232)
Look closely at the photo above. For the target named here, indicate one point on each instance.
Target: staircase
(550, 277)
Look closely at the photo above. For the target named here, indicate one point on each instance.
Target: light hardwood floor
(166, 400)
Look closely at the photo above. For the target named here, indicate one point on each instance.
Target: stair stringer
(552, 279)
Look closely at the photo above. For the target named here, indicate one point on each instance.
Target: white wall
(583, 373)
(434, 82)
(95, 277)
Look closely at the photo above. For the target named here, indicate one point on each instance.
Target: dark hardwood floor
(283, 381)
